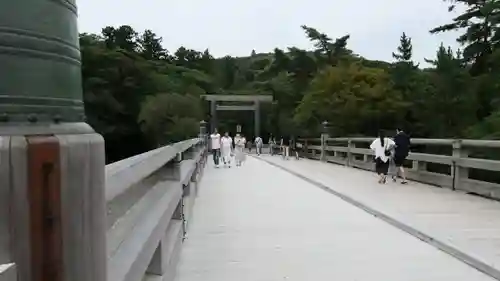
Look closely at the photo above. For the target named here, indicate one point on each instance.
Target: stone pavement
(463, 225)
(260, 223)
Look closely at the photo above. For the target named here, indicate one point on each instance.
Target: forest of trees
(139, 95)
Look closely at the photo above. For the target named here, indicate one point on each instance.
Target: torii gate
(256, 99)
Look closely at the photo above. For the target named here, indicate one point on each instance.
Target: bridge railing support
(150, 199)
(65, 215)
(355, 152)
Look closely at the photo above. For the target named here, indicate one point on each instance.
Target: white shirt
(226, 142)
(215, 138)
(258, 141)
(239, 141)
(379, 150)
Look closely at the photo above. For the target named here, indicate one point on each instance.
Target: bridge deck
(259, 223)
(465, 225)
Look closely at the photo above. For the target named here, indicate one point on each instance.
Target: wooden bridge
(167, 214)
(171, 216)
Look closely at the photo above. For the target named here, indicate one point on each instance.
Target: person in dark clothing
(293, 147)
(401, 151)
(285, 144)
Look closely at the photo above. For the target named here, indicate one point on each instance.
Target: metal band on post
(40, 74)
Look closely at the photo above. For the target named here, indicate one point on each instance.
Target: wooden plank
(20, 206)
(134, 254)
(97, 203)
(5, 254)
(123, 177)
(72, 202)
(44, 193)
(83, 202)
(235, 107)
(261, 98)
(125, 225)
(164, 253)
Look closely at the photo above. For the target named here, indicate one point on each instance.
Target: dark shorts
(381, 167)
(399, 160)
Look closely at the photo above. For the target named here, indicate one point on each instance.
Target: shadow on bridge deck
(258, 222)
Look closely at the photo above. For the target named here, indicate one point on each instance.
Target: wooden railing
(451, 168)
(149, 202)
(65, 215)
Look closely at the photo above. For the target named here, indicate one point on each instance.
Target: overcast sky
(231, 27)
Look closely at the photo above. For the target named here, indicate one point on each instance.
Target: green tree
(352, 98)
(451, 105)
(123, 37)
(166, 118)
(150, 46)
(480, 22)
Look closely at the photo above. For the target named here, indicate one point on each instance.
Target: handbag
(386, 151)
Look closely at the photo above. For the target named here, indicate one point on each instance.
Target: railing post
(322, 156)
(205, 145)
(366, 158)
(159, 262)
(53, 170)
(458, 172)
(324, 141)
(306, 148)
(349, 157)
(419, 166)
(173, 168)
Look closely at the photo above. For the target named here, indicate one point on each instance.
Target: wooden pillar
(322, 156)
(57, 202)
(324, 141)
(459, 173)
(350, 156)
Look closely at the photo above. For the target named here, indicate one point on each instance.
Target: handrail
(119, 178)
(149, 201)
(344, 151)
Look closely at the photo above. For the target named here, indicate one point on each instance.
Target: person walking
(381, 147)
(239, 149)
(401, 152)
(215, 145)
(272, 143)
(249, 146)
(226, 149)
(285, 146)
(258, 145)
(293, 147)
(393, 171)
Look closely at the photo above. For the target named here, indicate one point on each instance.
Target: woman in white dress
(226, 149)
(381, 147)
(239, 147)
